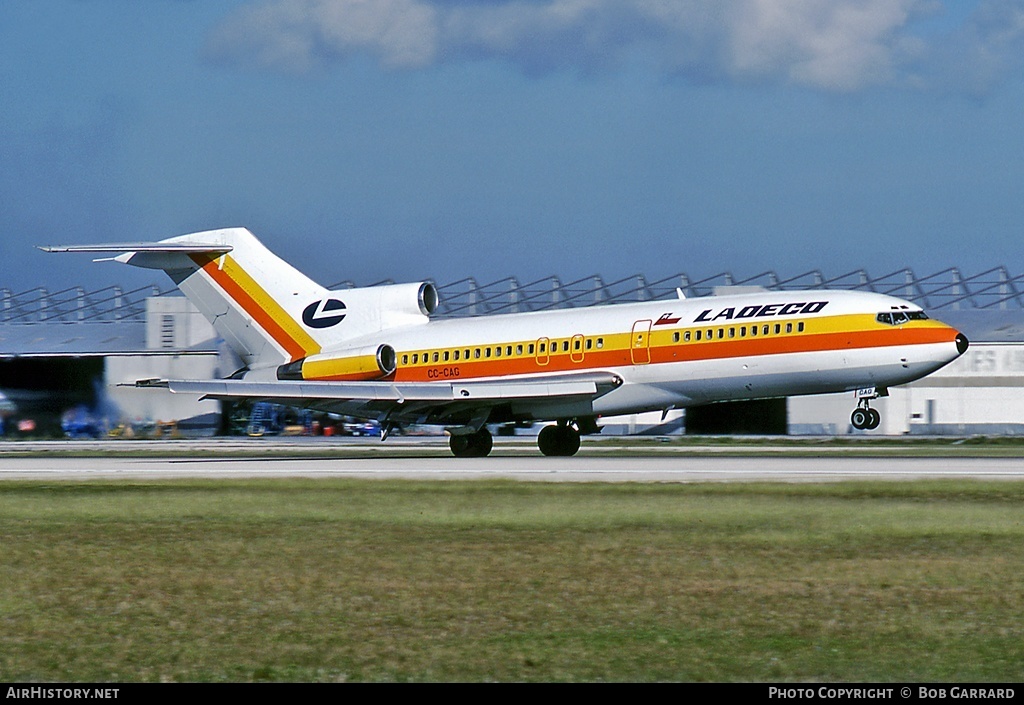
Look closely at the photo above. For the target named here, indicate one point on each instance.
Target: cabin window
(508, 350)
(686, 336)
(800, 327)
(529, 348)
(778, 328)
(437, 356)
(753, 330)
(590, 343)
(675, 337)
(446, 354)
(789, 327)
(455, 355)
(698, 335)
(497, 351)
(476, 353)
(415, 358)
(487, 352)
(576, 344)
(721, 333)
(600, 343)
(405, 359)
(565, 346)
(764, 330)
(732, 332)
(519, 350)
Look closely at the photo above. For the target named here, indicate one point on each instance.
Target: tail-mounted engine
(364, 363)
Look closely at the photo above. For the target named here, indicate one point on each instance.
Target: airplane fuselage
(675, 353)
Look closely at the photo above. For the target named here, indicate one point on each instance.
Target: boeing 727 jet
(375, 352)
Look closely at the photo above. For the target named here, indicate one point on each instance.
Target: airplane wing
(534, 397)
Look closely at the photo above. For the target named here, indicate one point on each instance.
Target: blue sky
(410, 139)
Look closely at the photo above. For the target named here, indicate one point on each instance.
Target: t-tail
(270, 314)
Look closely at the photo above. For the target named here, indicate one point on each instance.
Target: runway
(428, 461)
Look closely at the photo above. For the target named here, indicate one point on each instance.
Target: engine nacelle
(363, 363)
(375, 308)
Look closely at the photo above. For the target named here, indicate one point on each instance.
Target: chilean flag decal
(667, 320)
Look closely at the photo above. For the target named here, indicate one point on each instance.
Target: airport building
(73, 352)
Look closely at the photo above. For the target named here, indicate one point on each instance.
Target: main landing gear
(560, 439)
(471, 445)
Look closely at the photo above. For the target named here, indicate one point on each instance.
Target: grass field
(346, 580)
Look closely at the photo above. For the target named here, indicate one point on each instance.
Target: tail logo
(324, 313)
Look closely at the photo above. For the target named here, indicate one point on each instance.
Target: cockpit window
(898, 318)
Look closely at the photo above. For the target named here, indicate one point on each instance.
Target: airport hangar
(73, 348)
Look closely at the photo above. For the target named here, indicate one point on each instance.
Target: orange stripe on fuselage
(800, 342)
(258, 304)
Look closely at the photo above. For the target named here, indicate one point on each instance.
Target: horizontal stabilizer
(160, 247)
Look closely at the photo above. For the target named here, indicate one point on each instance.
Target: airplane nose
(962, 343)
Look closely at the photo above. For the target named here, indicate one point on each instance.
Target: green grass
(333, 580)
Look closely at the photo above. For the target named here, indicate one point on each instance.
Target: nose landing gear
(864, 417)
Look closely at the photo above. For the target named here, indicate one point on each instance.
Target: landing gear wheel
(472, 445)
(874, 418)
(547, 440)
(859, 418)
(865, 418)
(559, 440)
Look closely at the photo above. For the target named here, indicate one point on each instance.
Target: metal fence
(993, 289)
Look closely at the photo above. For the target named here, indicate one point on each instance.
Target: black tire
(461, 446)
(874, 419)
(559, 441)
(472, 445)
(570, 441)
(547, 441)
(481, 442)
(859, 418)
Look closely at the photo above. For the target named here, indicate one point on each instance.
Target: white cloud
(837, 45)
(295, 35)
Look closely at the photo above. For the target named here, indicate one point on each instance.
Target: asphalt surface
(427, 459)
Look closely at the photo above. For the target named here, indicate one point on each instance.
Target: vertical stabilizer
(253, 298)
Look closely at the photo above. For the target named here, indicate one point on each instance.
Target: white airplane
(375, 353)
